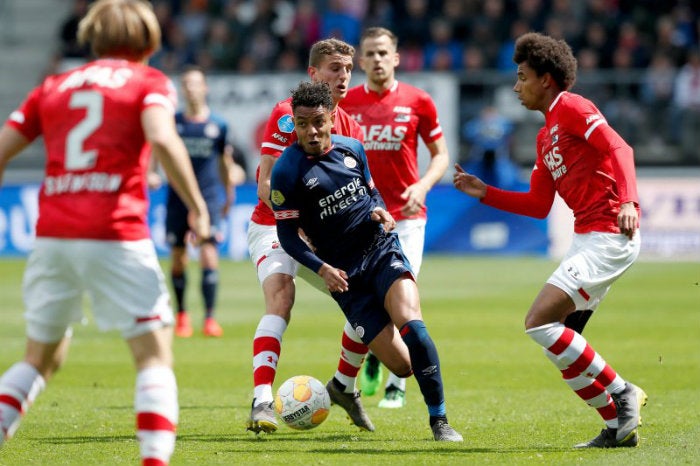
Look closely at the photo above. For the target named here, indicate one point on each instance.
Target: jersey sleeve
(428, 124)
(159, 90)
(26, 118)
(537, 202)
(279, 130)
(285, 205)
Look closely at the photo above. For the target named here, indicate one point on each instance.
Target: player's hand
(380, 215)
(468, 184)
(200, 226)
(628, 219)
(414, 196)
(336, 279)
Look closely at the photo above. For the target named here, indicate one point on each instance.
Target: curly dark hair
(312, 94)
(545, 54)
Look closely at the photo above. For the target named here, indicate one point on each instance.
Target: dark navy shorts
(176, 226)
(368, 284)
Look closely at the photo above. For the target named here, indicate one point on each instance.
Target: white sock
(156, 412)
(19, 387)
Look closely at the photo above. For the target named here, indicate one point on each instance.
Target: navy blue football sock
(426, 365)
(210, 282)
(179, 282)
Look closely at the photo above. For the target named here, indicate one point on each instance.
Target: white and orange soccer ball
(302, 402)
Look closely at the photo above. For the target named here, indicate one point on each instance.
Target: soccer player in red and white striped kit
(585, 161)
(100, 124)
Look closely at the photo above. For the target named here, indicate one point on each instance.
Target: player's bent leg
(276, 271)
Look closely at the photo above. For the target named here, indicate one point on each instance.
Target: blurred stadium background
(639, 61)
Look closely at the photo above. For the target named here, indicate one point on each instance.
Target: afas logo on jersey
(286, 123)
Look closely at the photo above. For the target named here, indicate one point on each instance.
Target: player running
(98, 122)
(393, 116)
(322, 185)
(330, 61)
(588, 164)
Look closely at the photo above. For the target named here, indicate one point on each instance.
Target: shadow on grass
(343, 444)
(85, 439)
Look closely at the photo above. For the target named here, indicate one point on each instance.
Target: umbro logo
(397, 265)
(312, 182)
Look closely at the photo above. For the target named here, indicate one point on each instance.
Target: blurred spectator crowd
(274, 35)
(655, 39)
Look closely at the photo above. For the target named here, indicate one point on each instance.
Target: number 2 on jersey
(77, 158)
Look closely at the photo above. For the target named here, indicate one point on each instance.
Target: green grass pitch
(502, 394)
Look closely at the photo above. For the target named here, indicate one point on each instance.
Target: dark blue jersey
(331, 198)
(205, 141)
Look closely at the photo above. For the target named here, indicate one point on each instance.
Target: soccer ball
(302, 402)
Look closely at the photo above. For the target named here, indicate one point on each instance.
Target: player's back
(97, 156)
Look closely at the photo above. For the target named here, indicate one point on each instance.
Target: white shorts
(593, 262)
(266, 252)
(269, 258)
(122, 279)
(412, 238)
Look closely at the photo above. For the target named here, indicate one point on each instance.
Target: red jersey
(584, 160)
(391, 123)
(96, 152)
(279, 134)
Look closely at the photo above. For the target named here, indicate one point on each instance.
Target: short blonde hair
(121, 28)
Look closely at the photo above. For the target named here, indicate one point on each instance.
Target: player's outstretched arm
(468, 183)
(159, 128)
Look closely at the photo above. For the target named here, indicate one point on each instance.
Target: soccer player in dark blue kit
(321, 184)
(204, 135)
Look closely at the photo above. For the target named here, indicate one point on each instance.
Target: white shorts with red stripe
(269, 258)
(123, 280)
(593, 262)
(266, 252)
